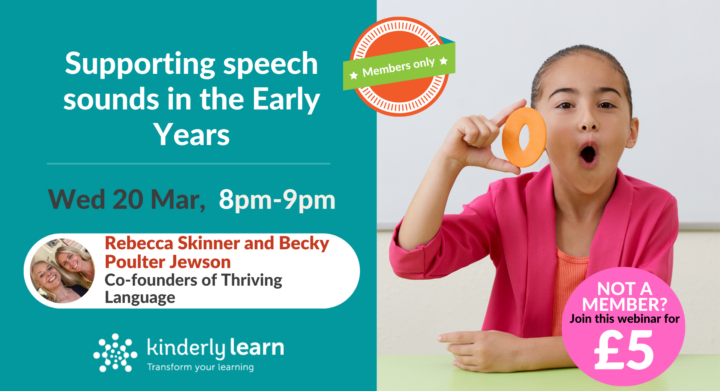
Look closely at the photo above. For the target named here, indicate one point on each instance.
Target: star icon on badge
(353, 75)
(443, 61)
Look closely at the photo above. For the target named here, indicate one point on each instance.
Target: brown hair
(577, 49)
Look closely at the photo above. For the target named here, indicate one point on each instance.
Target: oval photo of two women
(62, 270)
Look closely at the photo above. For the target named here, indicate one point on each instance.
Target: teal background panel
(324, 348)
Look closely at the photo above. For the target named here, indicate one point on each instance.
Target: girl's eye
(606, 105)
(564, 105)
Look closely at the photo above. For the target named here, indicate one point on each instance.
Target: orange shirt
(569, 274)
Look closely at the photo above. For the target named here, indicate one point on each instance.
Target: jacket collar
(607, 245)
(542, 257)
(605, 250)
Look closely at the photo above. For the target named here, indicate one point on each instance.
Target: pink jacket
(514, 223)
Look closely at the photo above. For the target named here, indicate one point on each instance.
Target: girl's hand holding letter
(468, 142)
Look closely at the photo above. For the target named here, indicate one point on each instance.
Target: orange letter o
(511, 137)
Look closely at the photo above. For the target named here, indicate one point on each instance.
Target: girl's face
(587, 115)
(70, 262)
(47, 276)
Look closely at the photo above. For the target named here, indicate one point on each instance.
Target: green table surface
(689, 372)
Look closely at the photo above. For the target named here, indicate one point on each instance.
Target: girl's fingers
(482, 131)
(503, 115)
(469, 130)
(464, 349)
(503, 165)
(494, 132)
(472, 368)
(465, 360)
(458, 337)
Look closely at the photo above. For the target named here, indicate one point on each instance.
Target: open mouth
(52, 278)
(75, 265)
(589, 155)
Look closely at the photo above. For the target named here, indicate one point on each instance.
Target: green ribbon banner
(400, 66)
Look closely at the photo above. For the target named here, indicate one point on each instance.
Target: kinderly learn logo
(115, 355)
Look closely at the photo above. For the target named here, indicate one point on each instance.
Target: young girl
(544, 231)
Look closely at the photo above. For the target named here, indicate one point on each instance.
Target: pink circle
(611, 293)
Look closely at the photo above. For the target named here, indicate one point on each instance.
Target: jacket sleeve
(462, 239)
(658, 255)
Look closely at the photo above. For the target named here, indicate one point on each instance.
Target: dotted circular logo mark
(114, 354)
(393, 35)
(623, 326)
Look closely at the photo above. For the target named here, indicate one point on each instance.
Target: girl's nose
(588, 123)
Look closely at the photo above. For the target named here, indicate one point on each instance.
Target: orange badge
(394, 35)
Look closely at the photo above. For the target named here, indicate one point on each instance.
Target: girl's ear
(633, 135)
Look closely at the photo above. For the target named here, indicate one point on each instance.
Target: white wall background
(671, 52)
(669, 49)
(411, 314)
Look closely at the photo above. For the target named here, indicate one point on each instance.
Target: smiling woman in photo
(59, 285)
(76, 261)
